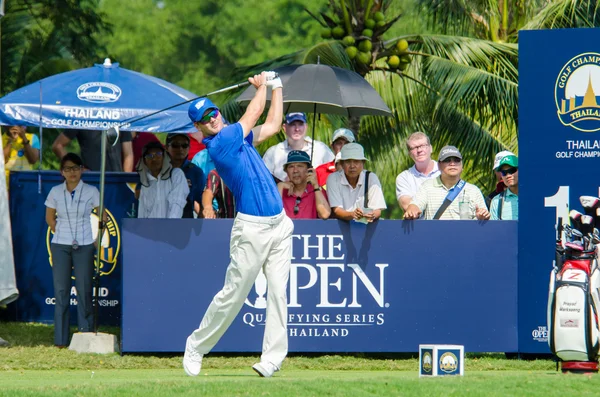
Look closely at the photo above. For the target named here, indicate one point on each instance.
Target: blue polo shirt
(244, 172)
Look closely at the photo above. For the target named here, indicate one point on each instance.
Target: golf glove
(275, 83)
(273, 80)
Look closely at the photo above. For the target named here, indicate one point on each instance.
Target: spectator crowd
(179, 179)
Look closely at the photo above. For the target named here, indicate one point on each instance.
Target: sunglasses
(452, 160)
(152, 156)
(72, 169)
(180, 145)
(296, 207)
(206, 118)
(508, 171)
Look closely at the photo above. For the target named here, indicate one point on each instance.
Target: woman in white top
(68, 209)
(164, 189)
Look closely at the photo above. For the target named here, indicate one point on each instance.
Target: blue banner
(559, 147)
(31, 244)
(383, 287)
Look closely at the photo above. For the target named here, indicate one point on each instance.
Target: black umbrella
(316, 88)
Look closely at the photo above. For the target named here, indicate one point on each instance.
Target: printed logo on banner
(448, 362)
(540, 334)
(577, 92)
(99, 92)
(111, 243)
(427, 362)
(339, 288)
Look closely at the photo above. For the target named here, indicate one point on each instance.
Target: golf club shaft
(232, 87)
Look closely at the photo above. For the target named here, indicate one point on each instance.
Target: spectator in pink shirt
(302, 196)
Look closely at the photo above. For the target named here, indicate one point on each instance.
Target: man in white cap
(350, 197)
(409, 181)
(295, 131)
(500, 186)
(340, 137)
(448, 196)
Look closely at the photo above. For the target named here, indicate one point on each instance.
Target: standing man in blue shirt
(261, 236)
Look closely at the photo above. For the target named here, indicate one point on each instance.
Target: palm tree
(40, 39)
(460, 90)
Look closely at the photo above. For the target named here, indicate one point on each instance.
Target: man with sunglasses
(261, 237)
(505, 206)
(409, 181)
(465, 199)
(178, 146)
(302, 196)
(500, 186)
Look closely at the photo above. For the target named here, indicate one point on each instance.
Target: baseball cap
(198, 107)
(343, 133)
(172, 136)
(291, 117)
(297, 156)
(500, 156)
(352, 151)
(448, 151)
(511, 160)
(152, 145)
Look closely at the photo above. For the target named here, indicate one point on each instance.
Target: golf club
(575, 217)
(587, 224)
(590, 205)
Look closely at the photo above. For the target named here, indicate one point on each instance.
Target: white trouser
(256, 242)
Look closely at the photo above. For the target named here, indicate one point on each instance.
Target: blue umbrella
(99, 98)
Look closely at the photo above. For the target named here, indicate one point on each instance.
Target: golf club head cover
(273, 80)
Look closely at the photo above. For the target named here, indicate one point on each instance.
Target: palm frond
(566, 14)
(328, 53)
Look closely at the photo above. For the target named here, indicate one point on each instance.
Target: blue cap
(291, 117)
(297, 156)
(198, 107)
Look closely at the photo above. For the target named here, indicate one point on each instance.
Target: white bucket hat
(353, 151)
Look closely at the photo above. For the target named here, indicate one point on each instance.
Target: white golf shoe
(192, 360)
(265, 369)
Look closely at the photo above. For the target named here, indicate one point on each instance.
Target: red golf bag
(573, 303)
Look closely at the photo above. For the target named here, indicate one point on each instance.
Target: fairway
(32, 366)
(223, 382)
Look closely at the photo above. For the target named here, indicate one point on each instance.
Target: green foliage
(46, 37)
(197, 45)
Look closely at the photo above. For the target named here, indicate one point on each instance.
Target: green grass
(33, 367)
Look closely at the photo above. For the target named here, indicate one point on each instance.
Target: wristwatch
(316, 188)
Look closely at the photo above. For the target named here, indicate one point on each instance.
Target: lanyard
(76, 213)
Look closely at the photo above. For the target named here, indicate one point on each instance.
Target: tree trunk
(354, 125)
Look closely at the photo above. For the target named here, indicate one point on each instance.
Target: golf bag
(573, 302)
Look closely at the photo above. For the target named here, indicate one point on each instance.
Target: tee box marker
(441, 360)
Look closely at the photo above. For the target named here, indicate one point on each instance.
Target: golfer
(261, 236)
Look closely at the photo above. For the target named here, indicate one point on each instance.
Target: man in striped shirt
(468, 204)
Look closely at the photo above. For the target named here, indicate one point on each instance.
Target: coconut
(393, 61)
(338, 32)
(348, 40)
(365, 46)
(402, 45)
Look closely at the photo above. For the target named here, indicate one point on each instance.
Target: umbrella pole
(100, 230)
(41, 145)
(312, 144)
